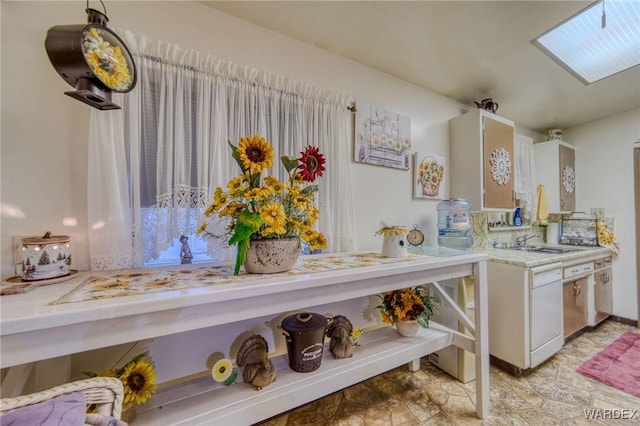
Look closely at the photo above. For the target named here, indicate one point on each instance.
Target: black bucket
(305, 340)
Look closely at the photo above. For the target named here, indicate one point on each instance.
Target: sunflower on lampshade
(283, 209)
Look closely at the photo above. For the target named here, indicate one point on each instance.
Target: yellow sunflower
(202, 228)
(220, 198)
(138, 380)
(273, 215)
(280, 230)
(319, 241)
(255, 153)
(235, 185)
(274, 184)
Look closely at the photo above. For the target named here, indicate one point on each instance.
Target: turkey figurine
(253, 355)
(339, 331)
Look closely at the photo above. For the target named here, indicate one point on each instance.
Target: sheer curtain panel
(525, 175)
(155, 164)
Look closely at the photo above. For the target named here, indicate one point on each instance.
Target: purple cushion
(65, 410)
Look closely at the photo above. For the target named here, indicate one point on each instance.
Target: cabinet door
(574, 300)
(603, 294)
(498, 164)
(567, 174)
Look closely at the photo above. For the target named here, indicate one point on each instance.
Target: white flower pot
(407, 328)
(272, 256)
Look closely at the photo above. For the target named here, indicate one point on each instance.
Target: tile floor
(552, 394)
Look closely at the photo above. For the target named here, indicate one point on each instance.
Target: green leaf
(254, 180)
(424, 322)
(236, 156)
(289, 163)
(309, 189)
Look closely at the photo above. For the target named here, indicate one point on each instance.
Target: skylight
(599, 41)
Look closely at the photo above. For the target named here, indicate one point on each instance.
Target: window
(599, 41)
(154, 165)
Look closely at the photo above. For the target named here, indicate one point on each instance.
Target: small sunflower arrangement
(280, 209)
(137, 377)
(407, 304)
(606, 237)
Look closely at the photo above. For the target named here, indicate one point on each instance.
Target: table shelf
(65, 329)
(192, 403)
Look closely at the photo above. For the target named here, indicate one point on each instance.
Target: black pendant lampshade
(92, 59)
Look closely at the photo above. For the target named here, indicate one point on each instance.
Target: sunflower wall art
(383, 137)
(429, 176)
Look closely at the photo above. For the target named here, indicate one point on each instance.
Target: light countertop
(532, 259)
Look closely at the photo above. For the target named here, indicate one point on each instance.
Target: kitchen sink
(540, 249)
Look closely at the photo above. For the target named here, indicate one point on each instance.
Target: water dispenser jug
(454, 224)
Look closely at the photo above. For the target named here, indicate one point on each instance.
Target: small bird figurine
(339, 331)
(253, 355)
(248, 222)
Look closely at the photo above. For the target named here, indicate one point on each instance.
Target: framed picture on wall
(429, 176)
(383, 137)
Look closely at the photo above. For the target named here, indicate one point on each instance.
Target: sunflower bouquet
(256, 207)
(407, 304)
(137, 377)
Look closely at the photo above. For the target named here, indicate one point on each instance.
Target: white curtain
(525, 175)
(154, 164)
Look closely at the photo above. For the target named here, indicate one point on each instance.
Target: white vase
(407, 328)
(272, 256)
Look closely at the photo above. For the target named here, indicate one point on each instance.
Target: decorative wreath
(568, 179)
(500, 166)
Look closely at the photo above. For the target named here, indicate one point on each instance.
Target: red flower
(312, 164)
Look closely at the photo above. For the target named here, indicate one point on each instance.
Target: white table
(32, 330)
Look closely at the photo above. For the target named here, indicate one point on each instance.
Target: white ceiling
(464, 50)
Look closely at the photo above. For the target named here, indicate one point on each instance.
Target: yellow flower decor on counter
(356, 334)
(407, 304)
(137, 377)
(606, 237)
(255, 208)
(223, 372)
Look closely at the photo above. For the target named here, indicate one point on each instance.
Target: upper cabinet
(555, 169)
(482, 160)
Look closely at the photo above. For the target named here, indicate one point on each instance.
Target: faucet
(521, 241)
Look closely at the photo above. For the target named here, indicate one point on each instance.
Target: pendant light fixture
(92, 59)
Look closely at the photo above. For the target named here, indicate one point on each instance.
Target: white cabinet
(482, 161)
(555, 169)
(525, 305)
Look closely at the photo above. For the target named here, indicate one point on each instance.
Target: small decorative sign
(383, 137)
(429, 176)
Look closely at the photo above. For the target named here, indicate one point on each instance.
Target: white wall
(44, 139)
(604, 178)
(44, 132)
